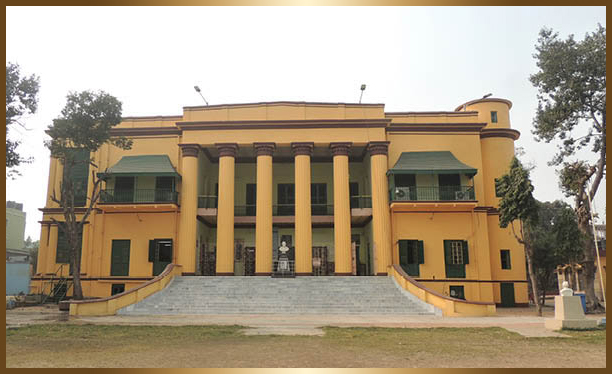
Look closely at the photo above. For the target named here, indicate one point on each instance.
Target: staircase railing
(59, 290)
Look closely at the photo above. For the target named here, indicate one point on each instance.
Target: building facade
(351, 190)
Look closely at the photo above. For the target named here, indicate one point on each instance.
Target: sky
(411, 58)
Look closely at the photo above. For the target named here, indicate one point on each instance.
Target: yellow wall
(489, 155)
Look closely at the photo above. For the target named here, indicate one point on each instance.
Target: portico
(300, 206)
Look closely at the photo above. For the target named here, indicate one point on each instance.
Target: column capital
(302, 148)
(340, 149)
(227, 149)
(264, 149)
(190, 150)
(378, 148)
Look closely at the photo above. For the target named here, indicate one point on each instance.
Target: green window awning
(155, 165)
(439, 162)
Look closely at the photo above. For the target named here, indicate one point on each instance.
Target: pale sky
(411, 58)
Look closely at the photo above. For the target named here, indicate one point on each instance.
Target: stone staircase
(266, 295)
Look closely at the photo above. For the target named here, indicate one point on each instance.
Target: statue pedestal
(569, 314)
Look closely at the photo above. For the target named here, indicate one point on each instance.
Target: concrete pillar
(303, 214)
(342, 210)
(43, 248)
(381, 219)
(225, 208)
(186, 251)
(263, 219)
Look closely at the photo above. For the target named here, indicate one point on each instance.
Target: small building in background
(17, 258)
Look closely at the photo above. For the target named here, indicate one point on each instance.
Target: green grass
(62, 345)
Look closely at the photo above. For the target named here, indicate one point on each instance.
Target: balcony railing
(138, 196)
(435, 193)
(361, 201)
(207, 201)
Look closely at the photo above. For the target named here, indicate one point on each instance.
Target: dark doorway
(318, 199)
(449, 184)
(407, 181)
(286, 200)
(507, 294)
(124, 189)
(164, 189)
(251, 199)
(249, 261)
(319, 261)
(160, 254)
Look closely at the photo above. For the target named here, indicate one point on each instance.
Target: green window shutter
(466, 256)
(447, 259)
(120, 257)
(421, 252)
(403, 252)
(152, 245)
(62, 255)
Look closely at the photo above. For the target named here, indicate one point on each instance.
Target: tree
(21, 99)
(32, 246)
(83, 127)
(571, 84)
(557, 240)
(518, 204)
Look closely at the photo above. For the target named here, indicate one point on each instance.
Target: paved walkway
(519, 320)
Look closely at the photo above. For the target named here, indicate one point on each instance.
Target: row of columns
(302, 153)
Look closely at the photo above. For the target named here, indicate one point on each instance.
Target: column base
(224, 274)
(303, 274)
(342, 274)
(382, 274)
(188, 274)
(263, 274)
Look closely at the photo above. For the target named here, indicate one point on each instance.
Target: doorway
(160, 254)
(507, 294)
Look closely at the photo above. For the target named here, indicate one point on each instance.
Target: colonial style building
(350, 188)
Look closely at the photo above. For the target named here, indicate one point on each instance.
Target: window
(505, 258)
(456, 256)
(117, 288)
(456, 253)
(120, 258)
(62, 255)
(448, 185)
(79, 175)
(493, 117)
(411, 255)
(318, 198)
(457, 292)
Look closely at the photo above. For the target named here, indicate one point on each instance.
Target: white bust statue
(283, 248)
(566, 291)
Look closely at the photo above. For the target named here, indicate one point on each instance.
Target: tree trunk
(75, 260)
(534, 281)
(588, 265)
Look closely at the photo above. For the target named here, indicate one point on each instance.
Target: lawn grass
(68, 345)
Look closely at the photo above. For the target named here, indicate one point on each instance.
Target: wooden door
(507, 294)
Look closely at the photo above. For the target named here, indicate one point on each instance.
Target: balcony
(433, 193)
(113, 200)
(110, 196)
(284, 214)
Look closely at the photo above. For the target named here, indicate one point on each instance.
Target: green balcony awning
(154, 165)
(440, 162)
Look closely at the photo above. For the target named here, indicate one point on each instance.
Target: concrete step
(266, 295)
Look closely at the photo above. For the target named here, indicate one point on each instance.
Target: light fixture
(197, 89)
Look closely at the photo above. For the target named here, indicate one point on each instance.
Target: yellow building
(350, 188)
